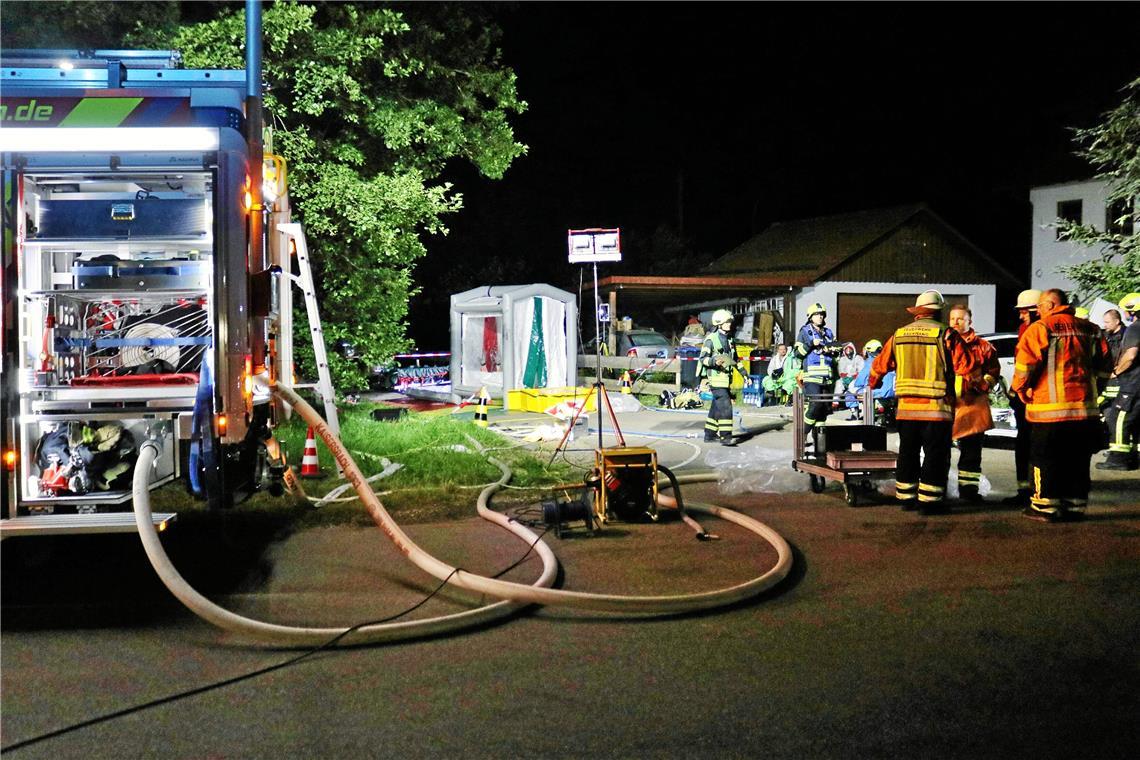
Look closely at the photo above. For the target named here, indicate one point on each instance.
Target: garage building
(866, 267)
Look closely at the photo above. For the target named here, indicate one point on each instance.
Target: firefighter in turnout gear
(717, 362)
(926, 355)
(1122, 417)
(972, 416)
(1026, 314)
(817, 349)
(1055, 374)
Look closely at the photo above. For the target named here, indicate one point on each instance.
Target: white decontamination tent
(505, 337)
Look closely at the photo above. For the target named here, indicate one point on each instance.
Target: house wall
(1048, 253)
(981, 299)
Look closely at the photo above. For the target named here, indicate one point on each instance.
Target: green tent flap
(535, 374)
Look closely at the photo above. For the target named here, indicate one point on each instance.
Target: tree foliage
(368, 103)
(81, 24)
(1113, 148)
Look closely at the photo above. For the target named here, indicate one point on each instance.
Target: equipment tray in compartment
(111, 275)
(74, 462)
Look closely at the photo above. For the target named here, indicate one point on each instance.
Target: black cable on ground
(252, 674)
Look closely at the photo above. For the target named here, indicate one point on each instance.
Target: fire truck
(140, 289)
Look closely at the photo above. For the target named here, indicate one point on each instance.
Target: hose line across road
(513, 595)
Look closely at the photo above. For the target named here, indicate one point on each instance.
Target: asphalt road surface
(978, 634)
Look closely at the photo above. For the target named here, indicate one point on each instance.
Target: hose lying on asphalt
(518, 593)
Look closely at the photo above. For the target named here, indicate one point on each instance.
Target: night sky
(693, 126)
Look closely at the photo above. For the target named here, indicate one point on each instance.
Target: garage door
(862, 316)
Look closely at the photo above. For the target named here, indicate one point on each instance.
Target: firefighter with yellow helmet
(817, 349)
(1123, 416)
(717, 362)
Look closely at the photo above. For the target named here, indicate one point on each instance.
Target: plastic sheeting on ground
(753, 469)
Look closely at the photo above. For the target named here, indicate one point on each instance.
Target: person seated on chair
(771, 382)
(854, 395)
(850, 364)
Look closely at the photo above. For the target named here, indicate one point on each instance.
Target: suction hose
(303, 636)
(543, 595)
(539, 593)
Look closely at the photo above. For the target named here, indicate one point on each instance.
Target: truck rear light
(247, 195)
(10, 460)
(247, 384)
(247, 377)
(222, 424)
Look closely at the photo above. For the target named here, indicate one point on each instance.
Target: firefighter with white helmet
(717, 362)
(925, 355)
(816, 348)
(1058, 360)
(1123, 415)
(1026, 306)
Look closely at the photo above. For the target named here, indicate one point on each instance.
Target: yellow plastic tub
(541, 399)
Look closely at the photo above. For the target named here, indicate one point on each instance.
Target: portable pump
(622, 486)
(626, 484)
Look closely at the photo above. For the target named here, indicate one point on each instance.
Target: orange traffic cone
(310, 466)
(626, 384)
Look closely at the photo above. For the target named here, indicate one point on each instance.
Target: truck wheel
(817, 483)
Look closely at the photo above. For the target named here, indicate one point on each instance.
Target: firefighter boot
(969, 493)
(1020, 499)
(1118, 460)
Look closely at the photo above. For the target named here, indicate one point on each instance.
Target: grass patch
(441, 477)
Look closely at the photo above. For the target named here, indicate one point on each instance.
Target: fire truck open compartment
(116, 282)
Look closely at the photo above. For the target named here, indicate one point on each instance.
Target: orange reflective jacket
(925, 355)
(972, 412)
(1059, 358)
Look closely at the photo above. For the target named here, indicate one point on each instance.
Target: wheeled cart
(854, 455)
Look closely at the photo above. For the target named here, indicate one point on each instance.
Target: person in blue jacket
(885, 392)
(817, 348)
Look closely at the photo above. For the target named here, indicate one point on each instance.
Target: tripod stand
(602, 396)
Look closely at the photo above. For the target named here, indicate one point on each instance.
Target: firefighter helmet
(1081, 312)
(816, 308)
(1130, 302)
(872, 345)
(929, 299)
(1027, 299)
(720, 316)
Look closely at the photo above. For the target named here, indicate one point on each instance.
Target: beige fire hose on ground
(513, 594)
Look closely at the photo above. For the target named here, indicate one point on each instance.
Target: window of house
(1118, 217)
(1070, 211)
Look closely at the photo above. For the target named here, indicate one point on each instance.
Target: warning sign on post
(589, 246)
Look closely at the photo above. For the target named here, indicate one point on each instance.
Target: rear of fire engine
(129, 254)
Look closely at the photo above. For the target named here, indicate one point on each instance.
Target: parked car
(1004, 425)
(644, 344)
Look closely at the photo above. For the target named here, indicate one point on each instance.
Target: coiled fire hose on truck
(516, 593)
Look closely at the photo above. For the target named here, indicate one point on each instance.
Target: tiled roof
(817, 245)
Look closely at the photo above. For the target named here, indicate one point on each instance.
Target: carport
(681, 296)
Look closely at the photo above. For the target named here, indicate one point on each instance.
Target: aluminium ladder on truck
(135, 302)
